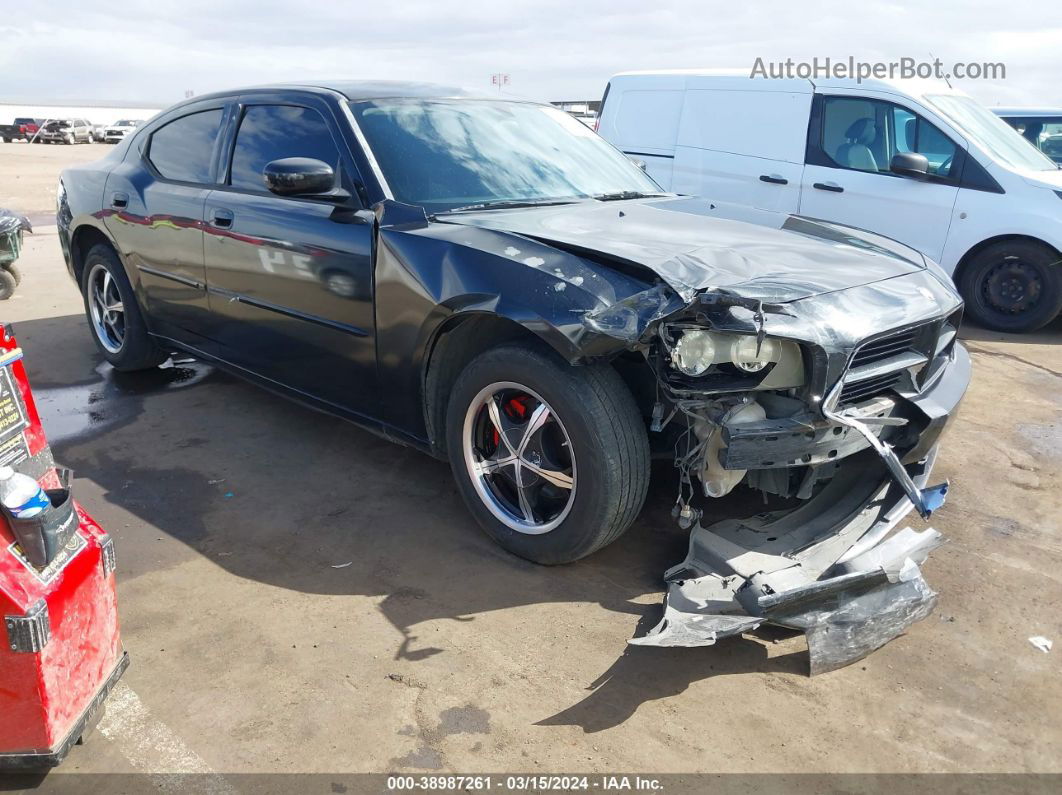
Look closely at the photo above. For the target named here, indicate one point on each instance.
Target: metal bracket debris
(29, 633)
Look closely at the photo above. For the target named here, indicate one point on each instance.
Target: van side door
(745, 147)
(847, 178)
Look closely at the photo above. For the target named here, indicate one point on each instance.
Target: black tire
(1013, 286)
(607, 439)
(7, 140)
(8, 283)
(137, 350)
(15, 272)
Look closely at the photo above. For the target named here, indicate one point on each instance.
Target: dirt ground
(298, 595)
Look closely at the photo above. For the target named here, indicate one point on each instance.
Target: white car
(117, 131)
(915, 161)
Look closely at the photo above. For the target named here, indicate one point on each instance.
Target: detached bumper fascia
(832, 567)
(940, 402)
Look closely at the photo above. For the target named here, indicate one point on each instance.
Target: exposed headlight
(60, 194)
(694, 352)
(752, 356)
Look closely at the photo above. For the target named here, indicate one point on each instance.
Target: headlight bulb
(694, 353)
(746, 357)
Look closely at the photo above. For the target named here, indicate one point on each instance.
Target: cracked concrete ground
(435, 650)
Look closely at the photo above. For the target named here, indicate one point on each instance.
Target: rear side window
(272, 132)
(184, 148)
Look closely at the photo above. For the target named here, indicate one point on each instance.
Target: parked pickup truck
(23, 127)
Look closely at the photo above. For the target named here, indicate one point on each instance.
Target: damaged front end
(832, 403)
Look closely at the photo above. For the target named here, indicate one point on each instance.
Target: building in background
(585, 110)
(96, 112)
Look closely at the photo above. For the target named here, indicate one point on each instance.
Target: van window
(646, 119)
(864, 134)
(184, 148)
(751, 123)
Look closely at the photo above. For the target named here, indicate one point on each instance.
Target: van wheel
(551, 459)
(114, 316)
(1013, 286)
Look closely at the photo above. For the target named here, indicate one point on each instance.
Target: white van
(912, 160)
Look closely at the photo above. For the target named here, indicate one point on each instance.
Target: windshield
(990, 132)
(446, 154)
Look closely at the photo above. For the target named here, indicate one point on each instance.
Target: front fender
(428, 274)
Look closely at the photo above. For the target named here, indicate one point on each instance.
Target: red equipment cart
(60, 650)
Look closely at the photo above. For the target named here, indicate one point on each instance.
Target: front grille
(873, 371)
(872, 387)
(885, 348)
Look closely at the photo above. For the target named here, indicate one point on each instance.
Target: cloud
(148, 51)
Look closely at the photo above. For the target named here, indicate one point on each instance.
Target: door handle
(221, 218)
(119, 200)
(830, 186)
(774, 179)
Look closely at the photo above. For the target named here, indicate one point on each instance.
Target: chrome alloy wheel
(106, 309)
(519, 457)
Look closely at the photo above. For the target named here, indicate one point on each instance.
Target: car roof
(1027, 112)
(352, 90)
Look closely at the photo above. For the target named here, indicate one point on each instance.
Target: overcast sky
(132, 50)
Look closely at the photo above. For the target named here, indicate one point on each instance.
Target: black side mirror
(299, 176)
(909, 164)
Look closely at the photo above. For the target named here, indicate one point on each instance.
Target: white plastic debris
(342, 565)
(1042, 643)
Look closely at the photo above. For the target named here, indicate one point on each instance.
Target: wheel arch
(970, 255)
(456, 342)
(82, 240)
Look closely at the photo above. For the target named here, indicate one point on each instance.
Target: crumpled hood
(693, 244)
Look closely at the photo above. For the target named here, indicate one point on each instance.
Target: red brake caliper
(514, 407)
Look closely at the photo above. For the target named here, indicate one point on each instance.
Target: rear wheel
(16, 274)
(552, 460)
(1013, 286)
(113, 314)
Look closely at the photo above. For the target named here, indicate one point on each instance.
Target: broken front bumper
(832, 566)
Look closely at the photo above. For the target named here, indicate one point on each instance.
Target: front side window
(184, 148)
(445, 154)
(865, 134)
(273, 132)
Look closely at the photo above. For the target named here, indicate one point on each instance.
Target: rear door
(851, 142)
(745, 147)
(290, 279)
(153, 206)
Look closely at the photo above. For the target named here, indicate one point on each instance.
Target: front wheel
(551, 459)
(113, 313)
(1013, 286)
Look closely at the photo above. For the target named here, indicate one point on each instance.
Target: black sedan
(489, 281)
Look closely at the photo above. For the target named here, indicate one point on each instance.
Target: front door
(290, 279)
(847, 178)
